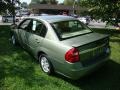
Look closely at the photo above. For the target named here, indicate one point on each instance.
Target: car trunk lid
(90, 46)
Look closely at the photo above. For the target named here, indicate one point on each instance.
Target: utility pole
(13, 11)
(74, 7)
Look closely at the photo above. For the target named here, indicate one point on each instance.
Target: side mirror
(13, 26)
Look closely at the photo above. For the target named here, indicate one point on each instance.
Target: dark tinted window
(43, 31)
(8, 16)
(70, 28)
(25, 25)
(39, 28)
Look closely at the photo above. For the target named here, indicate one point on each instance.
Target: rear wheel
(45, 64)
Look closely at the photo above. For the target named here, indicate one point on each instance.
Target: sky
(28, 1)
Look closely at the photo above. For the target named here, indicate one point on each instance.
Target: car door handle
(37, 40)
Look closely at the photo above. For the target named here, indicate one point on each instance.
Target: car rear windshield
(70, 28)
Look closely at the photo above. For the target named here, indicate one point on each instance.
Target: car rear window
(70, 28)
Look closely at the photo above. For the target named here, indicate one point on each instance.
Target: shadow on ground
(16, 63)
(105, 78)
(22, 69)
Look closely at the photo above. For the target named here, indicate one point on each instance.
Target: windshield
(70, 28)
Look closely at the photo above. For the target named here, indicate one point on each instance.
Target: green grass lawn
(20, 71)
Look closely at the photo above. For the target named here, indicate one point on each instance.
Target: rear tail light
(72, 55)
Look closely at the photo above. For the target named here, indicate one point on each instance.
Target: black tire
(45, 64)
(87, 23)
(13, 40)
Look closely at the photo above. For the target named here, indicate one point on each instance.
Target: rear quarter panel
(56, 52)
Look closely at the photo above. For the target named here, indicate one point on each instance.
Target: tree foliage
(36, 1)
(52, 1)
(71, 2)
(44, 1)
(107, 10)
(24, 4)
(8, 5)
(68, 2)
(4, 5)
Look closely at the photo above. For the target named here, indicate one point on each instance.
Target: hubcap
(13, 40)
(44, 64)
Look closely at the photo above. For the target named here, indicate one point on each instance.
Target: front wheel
(45, 64)
(13, 40)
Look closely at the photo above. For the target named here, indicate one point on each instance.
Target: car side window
(39, 28)
(43, 31)
(25, 24)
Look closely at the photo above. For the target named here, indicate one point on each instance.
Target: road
(1, 23)
(100, 25)
(91, 25)
(97, 25)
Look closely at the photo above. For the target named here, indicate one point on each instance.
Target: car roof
(53, 18)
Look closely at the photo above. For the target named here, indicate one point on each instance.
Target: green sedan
(62, 44)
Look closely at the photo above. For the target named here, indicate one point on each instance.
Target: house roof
(49, 6)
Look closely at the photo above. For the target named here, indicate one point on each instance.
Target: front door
(23, 29)
(36, 35)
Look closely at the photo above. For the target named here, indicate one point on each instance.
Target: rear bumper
(77, 73)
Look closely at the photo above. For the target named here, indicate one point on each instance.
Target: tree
(52, 1)
(2, 6)
(44, 1)
(106, 10)
(24, 5)
(9, 5)
(71, 2)
(36, 1)
(68, 2)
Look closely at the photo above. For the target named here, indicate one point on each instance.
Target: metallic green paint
(92, 48)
